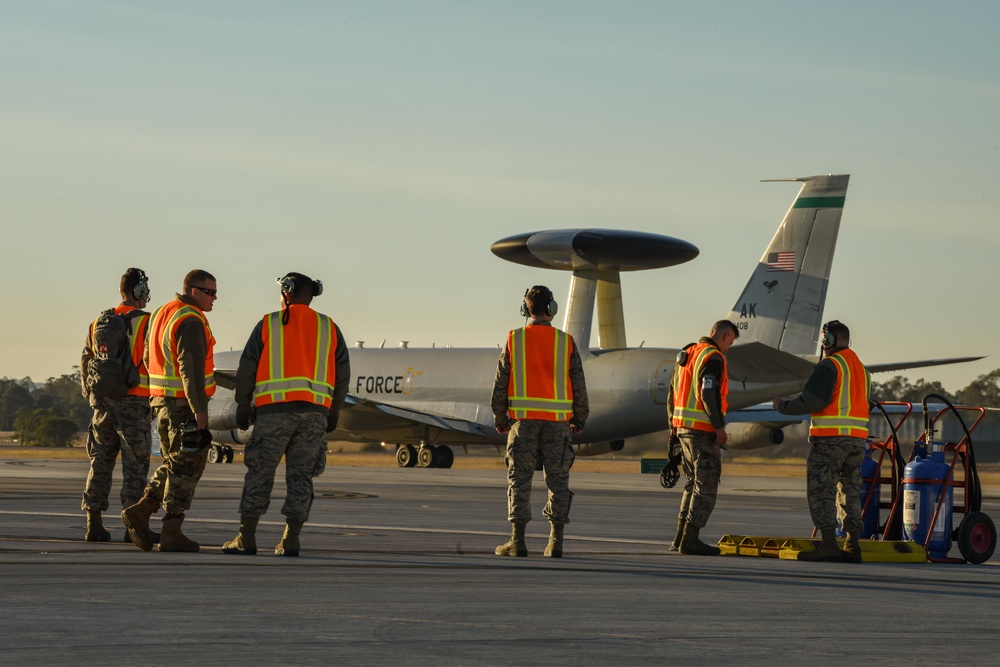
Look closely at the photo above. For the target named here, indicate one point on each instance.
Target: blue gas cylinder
(869, 485)
(923, 479)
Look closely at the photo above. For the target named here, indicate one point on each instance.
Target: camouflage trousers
(703, 470)
(299, 436)
(119, 425)
(174, 482)
(833, 480)
(528, 443)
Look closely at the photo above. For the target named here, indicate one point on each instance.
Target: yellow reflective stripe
(540, 403)
(689, 412)
(275, 352)
(324, 338)
(284, 385)
(519, 362)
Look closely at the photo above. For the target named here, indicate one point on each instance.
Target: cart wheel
(977, 537)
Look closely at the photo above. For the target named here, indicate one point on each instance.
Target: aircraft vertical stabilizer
(782, 304)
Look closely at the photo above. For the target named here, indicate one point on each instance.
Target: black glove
(331, 421)
(671, 472)
(243, 417)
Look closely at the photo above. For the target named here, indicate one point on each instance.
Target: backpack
(111, 373)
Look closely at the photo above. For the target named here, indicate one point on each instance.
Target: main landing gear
(426, 456)
(221, 454)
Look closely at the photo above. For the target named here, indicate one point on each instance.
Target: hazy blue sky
(383, 146)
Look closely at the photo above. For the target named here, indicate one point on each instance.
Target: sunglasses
(210, 292)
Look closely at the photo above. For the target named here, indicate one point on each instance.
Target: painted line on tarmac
(349, 527)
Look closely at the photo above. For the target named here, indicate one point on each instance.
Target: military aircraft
(423, 401)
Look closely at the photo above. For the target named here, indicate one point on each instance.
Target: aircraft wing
(362, 409)
(757, 362)
(226, 379)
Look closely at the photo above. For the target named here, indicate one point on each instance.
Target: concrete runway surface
(397, 567)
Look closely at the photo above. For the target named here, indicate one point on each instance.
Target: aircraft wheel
(426, 457)
(446, 457)
(977, 537)
(406, 456)
(230, 454)
(213, 455)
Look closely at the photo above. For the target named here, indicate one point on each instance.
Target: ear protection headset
(551, 307)
(288, 286)
(287, 283)
(829, 340)
(141, 289)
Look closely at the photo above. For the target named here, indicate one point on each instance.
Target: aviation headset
(141, 289)
(288, 285)
(829, 340)
(551, 307)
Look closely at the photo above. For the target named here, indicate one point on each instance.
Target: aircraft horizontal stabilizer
(903, 365)
(757, 362)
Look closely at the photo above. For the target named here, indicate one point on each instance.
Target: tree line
(50, 415)
(55, 413)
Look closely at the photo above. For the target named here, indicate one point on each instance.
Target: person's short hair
(195, 277)
(725, 324)
(130, 279)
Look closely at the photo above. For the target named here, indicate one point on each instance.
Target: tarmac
(397, 567)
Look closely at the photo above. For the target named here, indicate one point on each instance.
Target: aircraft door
(661, 382)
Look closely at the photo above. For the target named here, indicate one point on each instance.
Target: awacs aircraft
(424, 400)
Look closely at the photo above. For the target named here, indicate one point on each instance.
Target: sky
(382, 147)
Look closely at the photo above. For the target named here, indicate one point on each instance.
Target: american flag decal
(781, 261)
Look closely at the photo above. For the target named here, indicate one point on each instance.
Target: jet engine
(753, 436)
(222, 422)
(598, 448)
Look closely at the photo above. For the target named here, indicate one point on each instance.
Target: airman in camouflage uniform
(119, 425)
(294, 373)
(181, 341)
(836, 395)
(533, 441)
(697, 415)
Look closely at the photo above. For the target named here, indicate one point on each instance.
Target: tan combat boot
(136, 519)
(172, 539)
(555, 546)
(852, 550)
(289, 544)
(245, 541)
(95, 529)
(676, 544)
(515, 546)
(692, 546)
(827, 552)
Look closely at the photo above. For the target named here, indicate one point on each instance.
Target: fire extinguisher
(924, 478)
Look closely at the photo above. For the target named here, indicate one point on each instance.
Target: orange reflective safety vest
(299, 361)
(689, 409)
(137, 341)
(164, 373)
(847, 413)
(539, 385)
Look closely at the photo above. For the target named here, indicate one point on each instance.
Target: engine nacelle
(598, 448)
(222, 420)
(233, 436)
(753, 436)
(221, 414)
